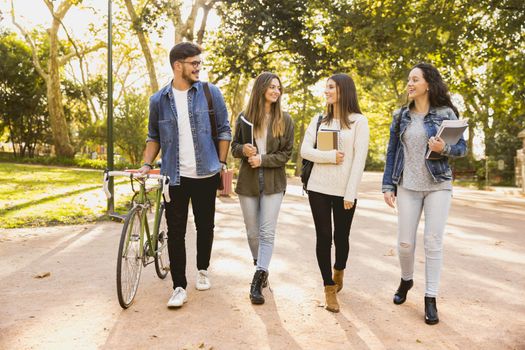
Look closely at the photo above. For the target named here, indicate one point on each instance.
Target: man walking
(179, 126)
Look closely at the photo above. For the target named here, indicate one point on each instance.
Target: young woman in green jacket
(263, 141)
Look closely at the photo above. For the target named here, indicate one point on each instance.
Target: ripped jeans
(410, 205)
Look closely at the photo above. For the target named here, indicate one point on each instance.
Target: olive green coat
(278, 152)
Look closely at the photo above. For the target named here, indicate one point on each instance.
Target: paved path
(481, 305)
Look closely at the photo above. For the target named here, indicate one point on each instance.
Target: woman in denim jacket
(421, 184)
(263, 140)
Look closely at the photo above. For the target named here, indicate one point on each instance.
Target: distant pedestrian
(335, 177)
(263, 140)
(420, 184)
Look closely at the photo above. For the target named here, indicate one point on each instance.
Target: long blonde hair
(254, 111)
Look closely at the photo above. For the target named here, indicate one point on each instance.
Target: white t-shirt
(187, 163)
(261, 140)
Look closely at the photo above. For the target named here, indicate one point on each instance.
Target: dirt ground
(481, 302)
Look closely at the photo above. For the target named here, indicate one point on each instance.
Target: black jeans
(322, 206)
(202, 194)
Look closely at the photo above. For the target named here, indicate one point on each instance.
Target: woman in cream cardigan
(335, 177)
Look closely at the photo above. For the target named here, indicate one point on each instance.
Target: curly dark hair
(438, 94)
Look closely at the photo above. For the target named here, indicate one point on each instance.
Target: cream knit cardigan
(329, 178)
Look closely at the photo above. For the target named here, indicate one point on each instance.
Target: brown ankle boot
(338, 279)
(331, 298)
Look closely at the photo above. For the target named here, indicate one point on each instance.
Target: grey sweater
(416, 176)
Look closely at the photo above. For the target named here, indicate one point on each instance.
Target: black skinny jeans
(322, 206)
(202, 194)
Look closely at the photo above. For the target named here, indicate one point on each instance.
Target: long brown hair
(254, 111)
(348, 103)
(438, 95)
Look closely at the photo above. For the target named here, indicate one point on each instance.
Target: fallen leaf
(390, 252)
(42, 275)
(418, 341)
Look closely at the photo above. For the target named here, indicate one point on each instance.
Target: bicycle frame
(141, 200)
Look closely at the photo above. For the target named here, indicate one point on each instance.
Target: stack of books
(450, 131)
(328, 140)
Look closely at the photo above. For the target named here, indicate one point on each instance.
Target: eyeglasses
(195, 64)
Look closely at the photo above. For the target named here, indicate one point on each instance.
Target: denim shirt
(163, 129)
(439, 169)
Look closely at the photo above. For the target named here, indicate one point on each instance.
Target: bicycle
(138, 246)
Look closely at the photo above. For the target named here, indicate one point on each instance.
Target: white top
(187, 162)
(261, 141)
(328, 177)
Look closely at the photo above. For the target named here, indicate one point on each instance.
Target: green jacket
(278, 152)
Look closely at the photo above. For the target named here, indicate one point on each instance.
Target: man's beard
(188, 77)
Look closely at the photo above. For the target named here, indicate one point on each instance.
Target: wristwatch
(224, 166)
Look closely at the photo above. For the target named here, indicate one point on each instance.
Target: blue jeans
(410, 205)
(260, 218)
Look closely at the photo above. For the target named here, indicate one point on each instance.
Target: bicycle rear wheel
(162, 261)
(129, 261)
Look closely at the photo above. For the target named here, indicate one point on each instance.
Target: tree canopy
(478, 45)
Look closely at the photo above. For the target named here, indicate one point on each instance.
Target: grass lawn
(33, 195)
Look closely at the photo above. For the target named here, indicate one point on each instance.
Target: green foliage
(22, 97)
(478, 45)
(131, 123)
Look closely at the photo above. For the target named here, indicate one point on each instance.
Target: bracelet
(220, 161)
(148, 164)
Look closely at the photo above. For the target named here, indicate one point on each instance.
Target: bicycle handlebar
(164, 181)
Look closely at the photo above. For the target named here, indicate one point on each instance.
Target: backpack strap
(320, 118)
(397, 127)
(211, 113)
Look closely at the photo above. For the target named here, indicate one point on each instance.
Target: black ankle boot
(265, 282)
(401, 294)
(431, 312)
(256, 295)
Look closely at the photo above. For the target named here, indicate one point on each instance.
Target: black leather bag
(307, 165)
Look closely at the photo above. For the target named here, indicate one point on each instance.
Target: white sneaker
(203, 281)
(178, 297)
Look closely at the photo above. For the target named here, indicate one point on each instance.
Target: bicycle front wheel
(162, 260)
(129, 261)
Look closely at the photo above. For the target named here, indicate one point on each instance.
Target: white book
(450, 131)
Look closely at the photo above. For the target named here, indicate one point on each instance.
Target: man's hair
(183, 50)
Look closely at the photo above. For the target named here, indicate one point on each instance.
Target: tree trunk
(298, 158)
(470, 150)
(57, 119)
(143, 40)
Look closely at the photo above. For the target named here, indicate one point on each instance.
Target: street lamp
(110, 164)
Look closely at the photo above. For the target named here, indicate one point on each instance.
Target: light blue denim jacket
(439, 169)
(163, 129)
